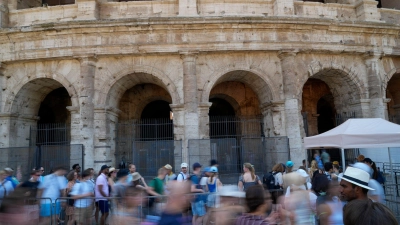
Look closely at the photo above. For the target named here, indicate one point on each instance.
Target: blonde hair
(251, 169)
(278, 168)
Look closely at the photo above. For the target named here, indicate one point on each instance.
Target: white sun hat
(356, 176)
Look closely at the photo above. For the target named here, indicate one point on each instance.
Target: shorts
(198, 208)
(212, 200)
(82, 215)
(49, 209)
(103, 206)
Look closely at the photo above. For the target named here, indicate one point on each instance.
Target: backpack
(269, 181)
(176, 178)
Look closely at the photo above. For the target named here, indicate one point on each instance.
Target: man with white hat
(184, 172)
(354, 184)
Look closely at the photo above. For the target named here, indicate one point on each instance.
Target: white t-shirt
(102, 180)
(52, 185)
(81, 189)
(181, 176)
(278, 179)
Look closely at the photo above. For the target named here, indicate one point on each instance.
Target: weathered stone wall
(185, 52)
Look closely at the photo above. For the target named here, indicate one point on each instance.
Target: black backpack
(269, 181)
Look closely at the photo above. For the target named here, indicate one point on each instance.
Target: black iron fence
(148, 143)
(24, 159)
(234, 126)
(232, 153)
(50, 134)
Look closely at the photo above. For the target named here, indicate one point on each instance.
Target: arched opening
(54, 119)
(145, 133)
(222, 122)
(155, 121)
(325, 105)
(393, 92)
(236, 125)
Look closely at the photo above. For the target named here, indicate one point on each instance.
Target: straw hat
(136, 176)
(356, 176)
(168, 167)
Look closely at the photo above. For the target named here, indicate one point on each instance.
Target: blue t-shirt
(173, 219)
(196, 181)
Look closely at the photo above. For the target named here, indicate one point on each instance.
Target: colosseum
(165, 81)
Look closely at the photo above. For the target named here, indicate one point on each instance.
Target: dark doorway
(155, 123)
(326, 115)
(220, 107)
(156, 109)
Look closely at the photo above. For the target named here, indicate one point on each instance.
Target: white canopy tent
(358, 133)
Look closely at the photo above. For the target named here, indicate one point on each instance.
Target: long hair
(251, 169)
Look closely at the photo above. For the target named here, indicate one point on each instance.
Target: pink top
(101, 180)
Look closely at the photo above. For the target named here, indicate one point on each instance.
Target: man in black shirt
(31, 185)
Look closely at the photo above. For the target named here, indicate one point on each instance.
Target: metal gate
(48, 156)
(148, 143)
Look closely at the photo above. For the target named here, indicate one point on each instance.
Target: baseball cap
(335, 163)
(184, 165)
(213, 169)
(8, 169)
(196, 165)
(289, 164)
(103, 167)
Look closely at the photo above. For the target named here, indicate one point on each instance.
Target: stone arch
(252, 77)
(30, 91)
(235, 105)
(345, 86)
(129, 77)
(388, 77)
(147, 93)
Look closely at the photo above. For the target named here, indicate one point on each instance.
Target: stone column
(274, 118)
(204, 120)
(378, 106)
(367, 10)
(283, 7)
(178, 111)
(4, 19)
(86, 112)
(105, 119)
(188, 8)
(293, 117)
(191, 118)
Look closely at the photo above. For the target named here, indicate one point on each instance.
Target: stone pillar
(179, 134)
(86, 112)
(191, 105)
(274, 118)
(188, 8)
(105, 119)
(283, 7)
(4, 19)
(88, 9)
(378, 107)
(293, 117)
(367, 10)
(204, 120)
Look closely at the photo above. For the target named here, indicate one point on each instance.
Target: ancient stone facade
(274, 58)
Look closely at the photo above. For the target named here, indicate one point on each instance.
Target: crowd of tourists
(319, 193)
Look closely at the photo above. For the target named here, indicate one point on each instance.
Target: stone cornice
(343, 38)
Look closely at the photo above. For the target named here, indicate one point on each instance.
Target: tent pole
(392, 174)
(343, 161)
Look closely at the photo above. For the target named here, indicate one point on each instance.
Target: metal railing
(146, 209)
